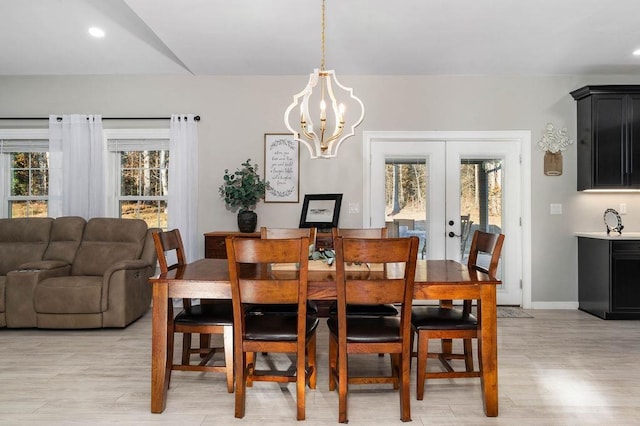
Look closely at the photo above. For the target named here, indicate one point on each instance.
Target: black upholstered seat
(436, 318)
(276, 327)
(219, 312)
(368, 330)
(282, 309)
(386, 310)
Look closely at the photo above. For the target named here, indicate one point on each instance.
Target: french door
(443, 190)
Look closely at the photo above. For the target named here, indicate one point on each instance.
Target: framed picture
(281, 168)
(321, 211)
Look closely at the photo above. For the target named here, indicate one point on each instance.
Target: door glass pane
(480, 200)
(406, 195)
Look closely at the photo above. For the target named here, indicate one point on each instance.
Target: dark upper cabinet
(608, 137)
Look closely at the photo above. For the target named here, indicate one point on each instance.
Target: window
(140, 170)
(24, 182)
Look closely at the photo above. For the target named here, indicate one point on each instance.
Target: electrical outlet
(354, 208)
(623, 208)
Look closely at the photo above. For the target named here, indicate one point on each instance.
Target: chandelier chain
(322, 37)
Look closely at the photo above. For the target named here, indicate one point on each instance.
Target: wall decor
(553, 142)
(321, 211)
(281, 168)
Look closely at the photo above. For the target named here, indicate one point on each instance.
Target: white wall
(237, 111)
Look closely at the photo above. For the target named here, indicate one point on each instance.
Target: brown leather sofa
(67, 273)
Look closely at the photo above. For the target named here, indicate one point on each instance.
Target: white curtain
(77, 166)
(183, 182)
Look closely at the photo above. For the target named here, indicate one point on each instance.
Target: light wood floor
(559, 368)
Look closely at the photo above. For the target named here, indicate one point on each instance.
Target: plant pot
(247, 221)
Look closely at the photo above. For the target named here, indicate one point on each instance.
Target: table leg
(488, 349)
(159, 376)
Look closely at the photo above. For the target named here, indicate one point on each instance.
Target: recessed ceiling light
(96, 32)
(636, 52)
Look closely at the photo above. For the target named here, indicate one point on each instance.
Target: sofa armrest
(46, 265)
(20, 291)
(124, 270)
(126, 265)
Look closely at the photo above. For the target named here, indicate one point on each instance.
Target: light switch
(555, 208)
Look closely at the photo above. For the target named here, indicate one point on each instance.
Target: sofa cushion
(66, 234)
(69, 295)
(107, 241)
(22, 240)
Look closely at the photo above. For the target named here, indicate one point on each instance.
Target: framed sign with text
(281, 168)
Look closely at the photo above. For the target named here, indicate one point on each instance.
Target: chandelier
(316, 117)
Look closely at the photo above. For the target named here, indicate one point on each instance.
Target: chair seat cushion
(276, 327)
(282, 309)
(387, 310)
(210, 313)
(436, 318)
(368, 329)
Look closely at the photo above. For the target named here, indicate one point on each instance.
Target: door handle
(451, 233)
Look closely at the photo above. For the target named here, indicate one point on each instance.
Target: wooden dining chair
(448, 322)
(368, 310)
(207, 318)
(351, 335)
(283, 233)
(255, 279)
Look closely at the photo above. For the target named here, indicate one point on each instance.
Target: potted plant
(241, 191)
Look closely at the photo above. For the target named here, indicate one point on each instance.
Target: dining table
(435, 280)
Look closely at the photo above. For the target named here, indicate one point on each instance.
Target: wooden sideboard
(214, 246)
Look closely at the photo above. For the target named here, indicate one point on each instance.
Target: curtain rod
(196, 118)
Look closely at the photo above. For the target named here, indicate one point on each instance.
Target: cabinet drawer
(214, 247)
(214, 243)
(625, 246)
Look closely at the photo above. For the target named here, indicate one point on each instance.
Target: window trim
(113, 158)
(16, 134)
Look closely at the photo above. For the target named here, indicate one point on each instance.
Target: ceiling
(282, 37)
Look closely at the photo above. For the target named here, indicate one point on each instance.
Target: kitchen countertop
(612, 236)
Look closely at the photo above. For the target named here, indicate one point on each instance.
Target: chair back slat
(267, 251)
(371, 250)
(374, 292)
(490, 244)
(283, 233)
(166, 242)
(269, 291)
(359, 232)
